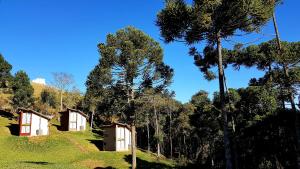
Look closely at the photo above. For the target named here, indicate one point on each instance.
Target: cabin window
(25, 129)
(26, 118)
(72, 116)
(73, 120)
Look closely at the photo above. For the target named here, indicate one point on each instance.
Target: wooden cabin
(117, 137)
(32, 123)
(73, 120)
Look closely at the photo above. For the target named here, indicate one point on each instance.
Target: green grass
(64, 150)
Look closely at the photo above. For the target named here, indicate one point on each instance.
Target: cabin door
(25, 125)
(73, 121)
(121, 139)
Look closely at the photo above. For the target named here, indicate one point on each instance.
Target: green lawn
(64, 150)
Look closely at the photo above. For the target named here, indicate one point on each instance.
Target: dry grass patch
(91, 163)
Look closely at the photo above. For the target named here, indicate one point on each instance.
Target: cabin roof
(74, 110)
(34, 112)
(117, 123)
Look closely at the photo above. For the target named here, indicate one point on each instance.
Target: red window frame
(20, 123)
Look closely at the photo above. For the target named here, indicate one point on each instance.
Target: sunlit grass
(64, 150)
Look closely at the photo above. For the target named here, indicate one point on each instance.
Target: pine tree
(213, 21)
(22, 90)
(131, 61)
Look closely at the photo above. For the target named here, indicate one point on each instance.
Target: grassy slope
(38, 88)
(63, 150)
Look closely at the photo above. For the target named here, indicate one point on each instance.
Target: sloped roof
(117, 123)
(34, 112)
(74, 110)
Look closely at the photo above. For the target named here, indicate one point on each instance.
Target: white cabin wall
(80, 121)
(122, 138)
(128, 138)
(37, 123)
(45, 126)
(84, 122)
(34, 124)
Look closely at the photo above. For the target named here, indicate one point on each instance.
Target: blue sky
(48, 36)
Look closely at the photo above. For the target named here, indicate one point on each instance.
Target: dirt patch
(38, 139)
(91, 163)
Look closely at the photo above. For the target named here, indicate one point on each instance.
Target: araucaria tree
(22, 90)
(130, 61)
(212, 21)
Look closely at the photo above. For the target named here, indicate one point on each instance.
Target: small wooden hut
(117, 137)
(32, 123)
(73, 120)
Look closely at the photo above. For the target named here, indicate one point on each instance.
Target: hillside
(63, 150)
(38, 88)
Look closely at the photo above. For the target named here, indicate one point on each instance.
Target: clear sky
(45, 36)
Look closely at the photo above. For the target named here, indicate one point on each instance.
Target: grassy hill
(38, 88)
(63, 150)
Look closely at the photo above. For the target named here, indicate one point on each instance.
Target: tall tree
(290, 93)
(153, 107)
(62, 81)
(213, 21)
(22, 90)
(132, 60)
(5, 75)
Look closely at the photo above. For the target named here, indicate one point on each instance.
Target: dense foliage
(22, 90)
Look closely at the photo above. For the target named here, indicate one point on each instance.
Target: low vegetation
(63, 150)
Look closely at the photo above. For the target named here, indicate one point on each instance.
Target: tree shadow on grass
(97, 143)
(6, 114)
(14, 129)
(37, 162)
(143, 164)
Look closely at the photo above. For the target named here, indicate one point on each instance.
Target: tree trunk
(133, 147)
(92, 119)
(61, 100)
(170, 135)
(148, 134)
(130, 100)
(291, 97)
(157, 131)
(222, 100)
(184, 143)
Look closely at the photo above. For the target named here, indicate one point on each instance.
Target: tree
(132, 60)
(265, 57)
(62, 81)
(22, 90)
(96, 93)
(48, 97)
(153, 108)
(288, 85)
(172, 106)
(207, 126)
(73, 98)
(212, 21)
(5, 75)
(183, 122)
